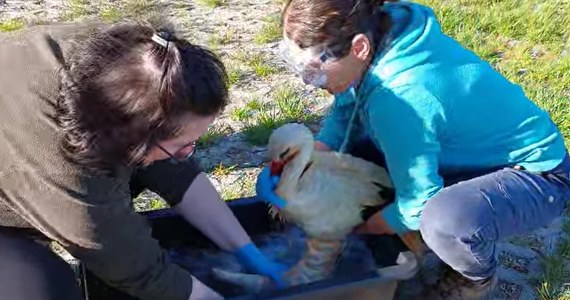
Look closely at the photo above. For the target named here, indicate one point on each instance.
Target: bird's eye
(282, 155)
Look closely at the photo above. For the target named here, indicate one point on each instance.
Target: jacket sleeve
(335, 125)
(406, 122)
(92, 218)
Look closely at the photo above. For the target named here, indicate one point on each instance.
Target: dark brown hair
(121, 92)
(334, 22)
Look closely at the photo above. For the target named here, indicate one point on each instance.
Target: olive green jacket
(92, 217)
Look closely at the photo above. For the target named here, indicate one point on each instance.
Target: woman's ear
(361, 47)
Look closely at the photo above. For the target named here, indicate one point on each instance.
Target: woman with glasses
(90, 116)
(473, 160)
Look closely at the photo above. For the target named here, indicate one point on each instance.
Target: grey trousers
(29, 271)
(463, 222)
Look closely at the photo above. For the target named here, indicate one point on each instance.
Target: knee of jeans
(445, 216)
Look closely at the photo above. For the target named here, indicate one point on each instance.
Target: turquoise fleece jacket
(433, 107)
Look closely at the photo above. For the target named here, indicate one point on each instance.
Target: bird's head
(286, 143)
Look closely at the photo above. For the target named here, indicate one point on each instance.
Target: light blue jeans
(464, 221)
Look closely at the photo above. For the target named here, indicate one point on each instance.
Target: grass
(11, 25)
(141, 9)
(261, 66)
(111, 14)
(555, 276)
(214, 134)
(235, 74)
(149, 201)
(157, 203)
(259, 63)
(243, 187)
(563, 247)
(112, 11)
(260, 119)
(212, 3)
(270, 30)
(221, 38)
(76, 10)
(553, 285)
(222, 170)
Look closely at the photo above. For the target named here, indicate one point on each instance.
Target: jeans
(463, 222)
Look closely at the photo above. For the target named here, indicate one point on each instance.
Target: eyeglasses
(178, 156)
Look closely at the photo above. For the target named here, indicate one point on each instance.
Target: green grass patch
(222, 170)
(270, 30)
(259, 63)
(12, 25)
(157, 203)
(261, 66)
(235, 75)
(241, 114)
(555, 276)
(244, 186)
(142, 9)
(212, 3)
(221, 38)
(214, 134)
(563, 250)
(111, 14)
(76, 10)
(229, 193)
(566, 226)
(149, 201)
(564, 247)
(260, 119)
(112, 11)
(321, 93)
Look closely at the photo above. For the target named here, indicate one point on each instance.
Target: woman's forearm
(203, 207)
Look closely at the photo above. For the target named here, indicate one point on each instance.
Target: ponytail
(129, 86)
(166, 53)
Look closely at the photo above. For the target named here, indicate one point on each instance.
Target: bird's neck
(294, 169)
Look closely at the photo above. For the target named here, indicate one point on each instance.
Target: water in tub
(286, 246)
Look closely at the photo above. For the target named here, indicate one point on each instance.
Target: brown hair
(334, 22)
(121, 92)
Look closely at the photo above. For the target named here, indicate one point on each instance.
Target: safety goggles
(307, 63)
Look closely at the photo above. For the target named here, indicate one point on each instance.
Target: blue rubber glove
(255, 261)
(265, 187)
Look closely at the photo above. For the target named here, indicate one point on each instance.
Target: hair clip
(160, 40)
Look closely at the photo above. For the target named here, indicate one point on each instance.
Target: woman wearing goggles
(473, 160)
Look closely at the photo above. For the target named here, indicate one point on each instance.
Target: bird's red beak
(276, 167)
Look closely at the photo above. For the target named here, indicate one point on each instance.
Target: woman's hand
(265, 188)
(374, 225)
(255, 261)
(201, 291)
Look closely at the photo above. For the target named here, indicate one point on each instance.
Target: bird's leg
(317, 263)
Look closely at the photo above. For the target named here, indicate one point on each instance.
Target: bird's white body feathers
(326, 191)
